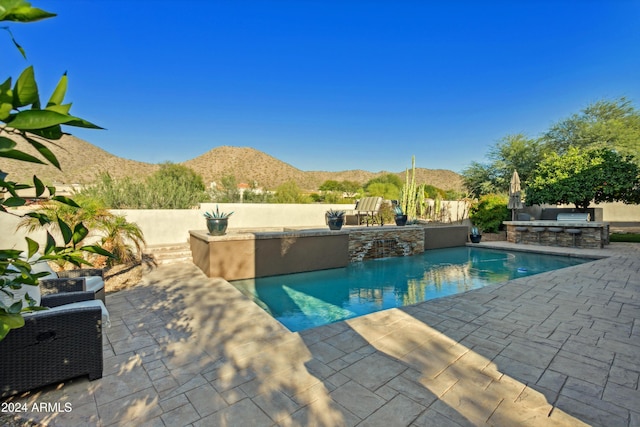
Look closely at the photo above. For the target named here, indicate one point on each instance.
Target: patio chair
(368, 209)
(54, 345)
(83, 279)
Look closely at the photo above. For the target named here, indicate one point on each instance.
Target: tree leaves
(22, 11)
(6, 99)
(25, 92)
(582, 176)
(44, 123)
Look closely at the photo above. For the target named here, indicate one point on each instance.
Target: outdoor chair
(83, 279)
(368, 209)
(54, 345)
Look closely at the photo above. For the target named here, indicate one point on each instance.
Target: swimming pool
(306, 300)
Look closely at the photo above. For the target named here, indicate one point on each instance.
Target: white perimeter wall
(162, 226)
(172, 225)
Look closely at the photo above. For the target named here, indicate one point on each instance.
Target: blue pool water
(306, 300)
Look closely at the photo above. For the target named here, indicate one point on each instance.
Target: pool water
(306, 300)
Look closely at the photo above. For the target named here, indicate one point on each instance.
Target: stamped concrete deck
(560, 348)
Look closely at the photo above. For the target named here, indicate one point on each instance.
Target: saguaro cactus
(408, 193)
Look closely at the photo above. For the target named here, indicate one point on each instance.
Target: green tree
(580, 177)
(387, 186)
(289, 192)
(513, 152)
(174, 187)
(388, 178)
(116, 194)
(24, 118)
(431, 192)
(385, 190)
(479, 179)
(227, 191)
(603, 124)
(330, 185)
(171, 187)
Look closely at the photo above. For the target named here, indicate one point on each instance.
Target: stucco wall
(161, 226)
(172, 226)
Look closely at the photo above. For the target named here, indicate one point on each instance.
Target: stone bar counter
(581, 234)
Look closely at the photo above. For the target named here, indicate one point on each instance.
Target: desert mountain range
(82, 162)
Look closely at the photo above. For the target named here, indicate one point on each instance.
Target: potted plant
(335, 219)
(217, 222)
(475, 235)
(400, 218)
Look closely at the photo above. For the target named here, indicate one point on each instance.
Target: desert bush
(289, 192)
(489, 213)
(171, 187)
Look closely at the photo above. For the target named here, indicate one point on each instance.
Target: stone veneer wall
(589, 238)
(374, 242)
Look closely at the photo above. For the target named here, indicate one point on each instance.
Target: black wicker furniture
(54, 345)
(83, 279)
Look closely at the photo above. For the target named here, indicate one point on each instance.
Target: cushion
(92, 303)
(19, 295)
(43, 267)
(94, 283)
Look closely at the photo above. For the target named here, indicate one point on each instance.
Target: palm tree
(117, 239)
(116, 233)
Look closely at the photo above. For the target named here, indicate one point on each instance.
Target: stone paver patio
(560, 348)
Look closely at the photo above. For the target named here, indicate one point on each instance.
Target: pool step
(170, 253)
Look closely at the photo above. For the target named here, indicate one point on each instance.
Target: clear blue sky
(330, 85)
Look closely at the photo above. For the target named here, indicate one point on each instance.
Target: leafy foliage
(115, 233)
(118, 236)
(489, 212)
(227, 191)
(23, 117)
(603, 124)
(385, 179)
(289, 192)
(513, 152)
(386, 190)
(613, 125)
(172, 187)
(341, 186)
(581, 176)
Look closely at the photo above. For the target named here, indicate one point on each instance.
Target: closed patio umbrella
(515, 201)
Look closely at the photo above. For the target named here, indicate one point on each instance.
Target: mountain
(82, 162)
(248, 165)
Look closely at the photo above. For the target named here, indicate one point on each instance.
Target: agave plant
(331, 214)
(475, 231)
(217, 214)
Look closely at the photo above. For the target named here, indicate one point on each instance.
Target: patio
(559, 348)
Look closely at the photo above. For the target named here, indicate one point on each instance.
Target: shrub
(387, 213)
(171, 187)
(289, 192)
(489, 213)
